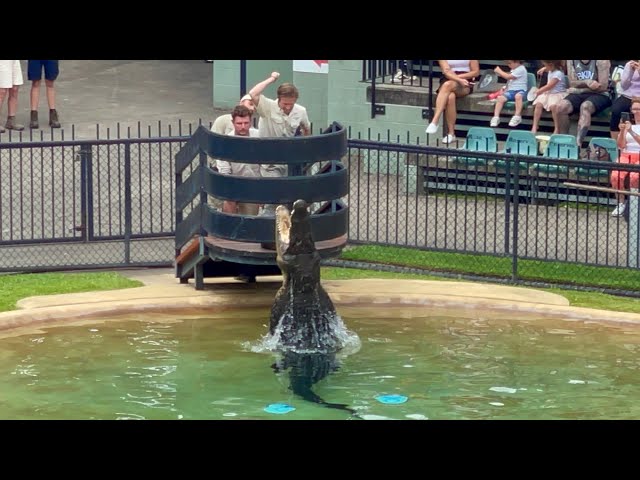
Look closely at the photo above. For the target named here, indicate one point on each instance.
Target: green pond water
(449, 367)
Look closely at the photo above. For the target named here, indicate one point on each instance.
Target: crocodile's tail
(310, 396)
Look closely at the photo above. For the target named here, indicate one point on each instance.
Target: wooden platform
(217, 257)
(254, 253)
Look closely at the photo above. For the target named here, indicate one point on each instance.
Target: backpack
(488, 82)
(596, 152)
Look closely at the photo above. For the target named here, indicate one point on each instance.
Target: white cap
(246, 97)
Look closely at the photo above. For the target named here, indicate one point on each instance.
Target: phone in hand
(625, 117)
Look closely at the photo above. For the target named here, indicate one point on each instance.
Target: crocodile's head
(283, 230)
(303, 318)
(293, 230)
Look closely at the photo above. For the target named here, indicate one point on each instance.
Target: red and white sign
(311, 66)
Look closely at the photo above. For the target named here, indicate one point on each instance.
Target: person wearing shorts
(516, 92)
(458, 77)
(588, 94)
(35, 69)
(10, 80)
(629, 144)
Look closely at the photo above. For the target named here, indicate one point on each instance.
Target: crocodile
(309, 334)
(303, 317)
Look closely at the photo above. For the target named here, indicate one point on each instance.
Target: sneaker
(495, 121)
(432, 128)
(449, 139)
(515, 121)
(619, 211)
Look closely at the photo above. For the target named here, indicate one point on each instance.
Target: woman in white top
(458, 76)
(629, 145)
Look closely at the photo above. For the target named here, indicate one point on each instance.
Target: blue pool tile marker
(279, 408)
(392, 399)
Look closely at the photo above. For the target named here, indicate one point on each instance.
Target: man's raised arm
(257, 90)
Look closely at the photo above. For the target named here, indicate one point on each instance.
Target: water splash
(337, 337)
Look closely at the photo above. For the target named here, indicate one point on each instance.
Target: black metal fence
(67, 204)
(110, 203)
(493, 205)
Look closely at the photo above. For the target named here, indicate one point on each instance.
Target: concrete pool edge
(163, 293)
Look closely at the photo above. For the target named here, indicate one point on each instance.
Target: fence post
(516, 203)
(373, 87)
(179, 216)
(127, 203)
(633, 259)
(430, 96)
(86, 192)
(507, 206)
(243, 78)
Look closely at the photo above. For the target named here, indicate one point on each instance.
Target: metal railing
(110, 203)
(492, 205)
(67, 204)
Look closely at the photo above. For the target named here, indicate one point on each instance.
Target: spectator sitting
(629, 144)
(630, 88)
(457, 82)
(588, 94)
(516, 91)
(551, 94)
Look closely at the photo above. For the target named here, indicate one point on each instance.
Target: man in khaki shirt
(241, 121)
(283, 117)
(279, 118)
(223, 125)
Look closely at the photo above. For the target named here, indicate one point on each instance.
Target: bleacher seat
(479, 139)
(611, 146)
(520, 142)
(560, 146)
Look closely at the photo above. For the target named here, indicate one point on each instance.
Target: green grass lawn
(15, 287)
(600, 301)
(487, 265)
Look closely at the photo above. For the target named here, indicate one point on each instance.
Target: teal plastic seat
(611, 146)
(519, 142)
(531, 82)
(560, 146)
(479, 139)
